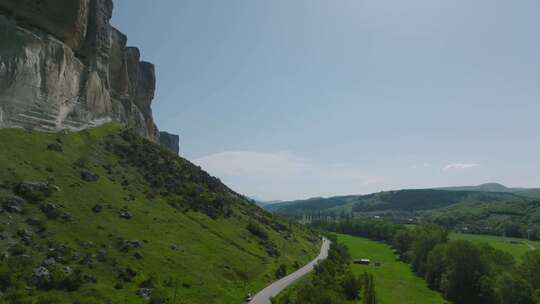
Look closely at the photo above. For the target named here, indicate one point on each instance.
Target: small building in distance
(362, 261)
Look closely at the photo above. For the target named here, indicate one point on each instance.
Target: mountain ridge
(335, 202)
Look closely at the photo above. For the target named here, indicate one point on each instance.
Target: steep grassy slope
(108, 214)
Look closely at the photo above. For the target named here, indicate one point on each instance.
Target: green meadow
(516, 247)
(394, 280)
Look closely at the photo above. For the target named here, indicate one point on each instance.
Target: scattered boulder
(88, 176)
(13, 204)
(125, 245)
(33, 191)
(124, 213)
(25, 234)
(48, 262)
(67, 270)
(138, 256)
(127, 274)
(57, 147)
(90, 279)
(41, 276)
(51, 210)
(102, 255)
(144, 293)
(97, 208)
(65, 216)
(33, 221)
(88, 260)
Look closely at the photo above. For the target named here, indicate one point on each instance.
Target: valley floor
(394, 280)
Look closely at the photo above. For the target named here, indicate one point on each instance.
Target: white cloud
(285, 176)
(421, 166)
(460, 166)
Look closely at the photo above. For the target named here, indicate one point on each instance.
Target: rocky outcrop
(65, 19)
(63, 66)
(170, 141)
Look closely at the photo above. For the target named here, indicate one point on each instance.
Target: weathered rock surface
(63, 66)
(65, 19)
(170, 141)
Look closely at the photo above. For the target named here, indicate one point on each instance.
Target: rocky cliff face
(170, 141)
(63, 66)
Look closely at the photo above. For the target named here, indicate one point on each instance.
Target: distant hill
(496, 187)
(488, 187)
(311, 205)
(406, 200)
(488, 208)
(400, 200)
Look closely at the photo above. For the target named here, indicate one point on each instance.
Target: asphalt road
(264, 296)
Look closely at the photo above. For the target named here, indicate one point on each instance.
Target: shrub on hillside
(257, 230)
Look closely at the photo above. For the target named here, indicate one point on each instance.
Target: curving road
(264, 296)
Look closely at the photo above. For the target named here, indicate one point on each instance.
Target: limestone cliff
(63, 66)
(170, 141)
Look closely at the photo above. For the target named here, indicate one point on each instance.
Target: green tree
(351, 286)
(435, 266)
(369, 295)
(465, 268)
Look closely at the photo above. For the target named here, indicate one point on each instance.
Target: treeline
(464, 272)
(333, 282)
(509, 221)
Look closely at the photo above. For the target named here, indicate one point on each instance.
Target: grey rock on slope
(170, 141)
(63, 66)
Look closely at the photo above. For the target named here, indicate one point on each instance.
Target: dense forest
(462, 271)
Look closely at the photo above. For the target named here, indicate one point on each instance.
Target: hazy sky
(286, 99)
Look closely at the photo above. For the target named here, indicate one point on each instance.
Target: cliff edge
(64, 66)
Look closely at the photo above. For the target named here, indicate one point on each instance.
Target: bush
(257, 230)
(281, 271)
(158, 296)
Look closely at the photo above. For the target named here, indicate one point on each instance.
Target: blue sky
(286, 99)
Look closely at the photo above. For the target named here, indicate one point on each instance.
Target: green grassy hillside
(100, 215)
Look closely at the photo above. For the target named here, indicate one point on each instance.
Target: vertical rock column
(96, 55)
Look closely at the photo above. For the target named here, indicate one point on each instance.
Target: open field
(394, 280)
(516, 247)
